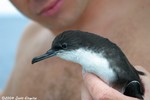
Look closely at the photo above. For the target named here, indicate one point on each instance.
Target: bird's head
(65, 46)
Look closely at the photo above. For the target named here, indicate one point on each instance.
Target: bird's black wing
(126, 74)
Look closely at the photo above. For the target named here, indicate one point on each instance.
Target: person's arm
(96, 89)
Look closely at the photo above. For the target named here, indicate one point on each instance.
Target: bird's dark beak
(48, 54)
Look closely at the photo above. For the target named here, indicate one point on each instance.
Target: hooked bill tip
(34, 60)
(50, 53)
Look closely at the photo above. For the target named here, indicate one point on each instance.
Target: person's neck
(108, 18)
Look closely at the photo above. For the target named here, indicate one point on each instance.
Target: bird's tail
(140, 72)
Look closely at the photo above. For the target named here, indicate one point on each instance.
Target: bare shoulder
(34, 37)
(51, 79)
(30, 45)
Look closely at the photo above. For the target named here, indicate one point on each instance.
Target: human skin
(124, 22)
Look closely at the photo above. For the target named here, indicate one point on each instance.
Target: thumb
(100, 90)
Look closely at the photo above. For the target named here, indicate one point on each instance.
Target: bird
(99, 56)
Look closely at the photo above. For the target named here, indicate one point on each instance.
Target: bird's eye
(64, 45)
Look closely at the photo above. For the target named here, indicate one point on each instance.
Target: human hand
(96, 89)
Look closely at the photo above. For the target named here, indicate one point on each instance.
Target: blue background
(11, 29)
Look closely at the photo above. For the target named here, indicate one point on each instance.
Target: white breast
(90, 62)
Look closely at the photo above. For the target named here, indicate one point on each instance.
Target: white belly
(91, 62)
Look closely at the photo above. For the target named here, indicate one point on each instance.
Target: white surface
(6, 8)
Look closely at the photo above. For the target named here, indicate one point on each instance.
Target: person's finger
(85, 95)
(101, 91)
